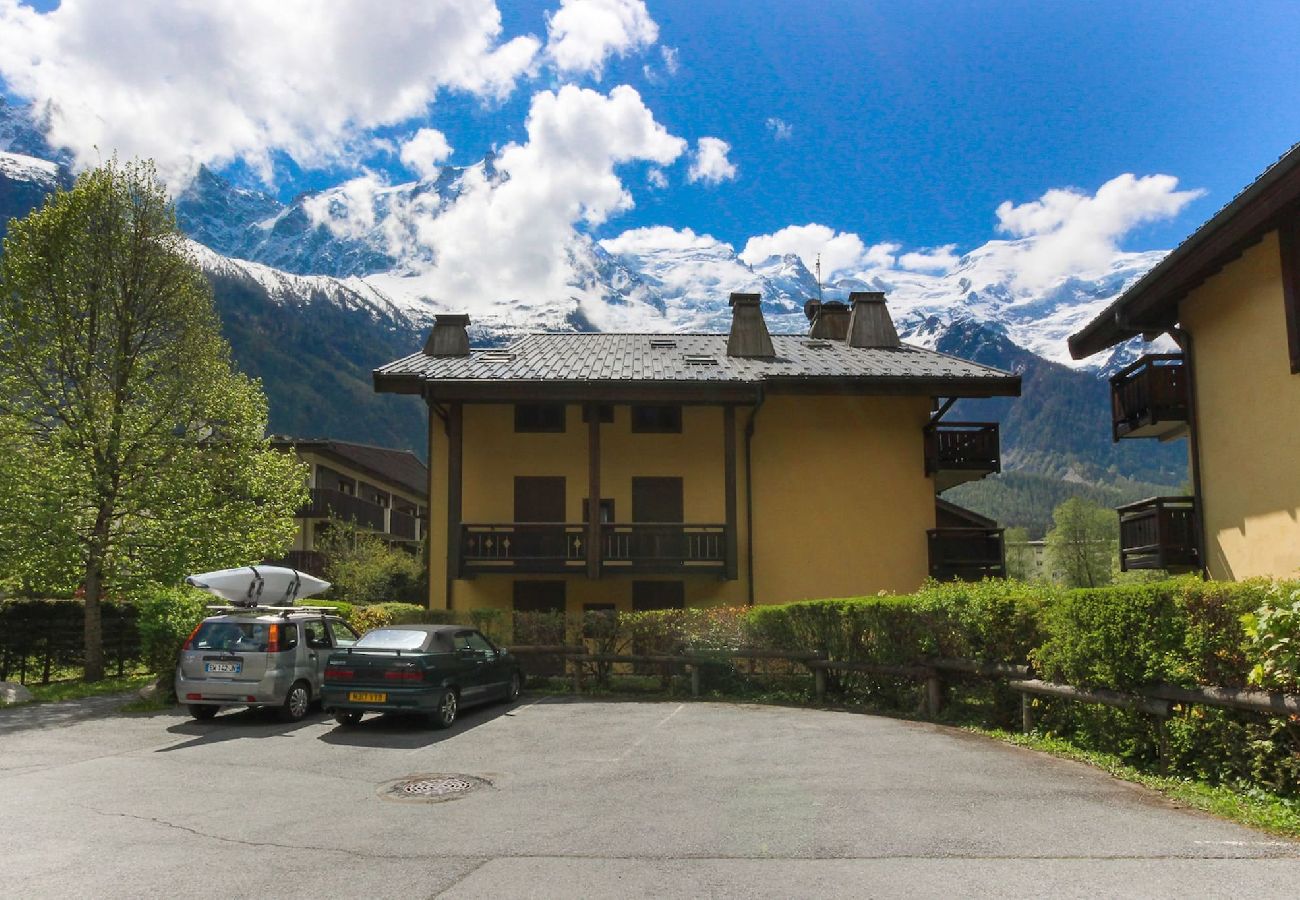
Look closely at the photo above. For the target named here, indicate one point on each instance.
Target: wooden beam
(1288, 235)
(593, 490)
(729, 483)
(455, 472)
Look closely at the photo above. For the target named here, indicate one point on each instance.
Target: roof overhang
(1150, 306)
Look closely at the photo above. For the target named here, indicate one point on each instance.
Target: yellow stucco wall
(1248, 415)
(842, 502)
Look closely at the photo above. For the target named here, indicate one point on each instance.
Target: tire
(203, 712)
(516, 685)
(348, 719)
(444, 714)
(296, 702)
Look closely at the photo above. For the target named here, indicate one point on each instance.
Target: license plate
(366, 697)
(230, 668)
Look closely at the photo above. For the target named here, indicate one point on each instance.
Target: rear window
(235, 637)
(393, 639)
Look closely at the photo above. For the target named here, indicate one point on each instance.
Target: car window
(344, 636)
(233, 637)
(315, 634)
(393, 639)
(288, 636)
(476, 641)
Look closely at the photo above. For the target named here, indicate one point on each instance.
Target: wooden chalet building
(383, 492)
(1229, 296)
(641, 471)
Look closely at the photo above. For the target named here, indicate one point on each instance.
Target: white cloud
(582, 34)
(509, 238)
(710, 163)
(670, 58)
(934, 259)
(658, 238)
(781, 129)
(212, 81)
(842, 253)
(1071, 232)
(424, 150)
(656, 178)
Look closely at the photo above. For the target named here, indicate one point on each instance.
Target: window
(604, 414)
(539, 417)
(472, 640)
(656, 419)
(344, 636)
(606, 510)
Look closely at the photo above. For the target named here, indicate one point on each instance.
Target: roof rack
(284, 611)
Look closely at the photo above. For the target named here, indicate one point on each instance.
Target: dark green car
(433, 670)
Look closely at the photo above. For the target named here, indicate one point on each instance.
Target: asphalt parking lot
(577, 798)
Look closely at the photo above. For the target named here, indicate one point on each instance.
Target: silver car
(258, 658)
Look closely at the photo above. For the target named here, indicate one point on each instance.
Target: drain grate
(432, 788)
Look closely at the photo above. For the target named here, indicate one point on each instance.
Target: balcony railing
(1149, 398)
(1159, 533)
(672, 546)
(956, 452)
(403, 526)
(327, 503)
(562, 547)
(523, 547)
(966, 554)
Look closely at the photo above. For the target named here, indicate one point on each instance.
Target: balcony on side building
(966, 554)
(402, 526)
(1149, 399)
(561, 547)
(328, 503)
(957, 452)
(1159, 533)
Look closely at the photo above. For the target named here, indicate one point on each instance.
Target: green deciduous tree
(363, 568)
(1083, 542)
(131, 450)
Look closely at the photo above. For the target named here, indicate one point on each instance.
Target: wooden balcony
(402, 526)
(664, 547)
(966, 554)
(1159, 533)
(327, 503)
(956, 452)
(1149, 399)
(560, 547)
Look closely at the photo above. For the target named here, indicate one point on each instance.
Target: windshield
(237, 637)
(393, 639)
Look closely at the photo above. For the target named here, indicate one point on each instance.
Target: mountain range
(315, 292)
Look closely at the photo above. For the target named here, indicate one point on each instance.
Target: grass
(156, 702)
(1248, 806)
(78, 690)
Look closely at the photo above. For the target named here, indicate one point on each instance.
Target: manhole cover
(432, 788)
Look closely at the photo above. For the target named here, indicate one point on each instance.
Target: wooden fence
(43, 639)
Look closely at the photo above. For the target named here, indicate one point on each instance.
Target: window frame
(545, 421)
(651, 419)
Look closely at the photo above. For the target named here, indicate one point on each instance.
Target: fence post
(695, 679)
(577, 674)
(1026, 713)
(934, 693)
(819, 684)
(121, 641)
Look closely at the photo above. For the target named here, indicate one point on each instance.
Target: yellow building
(1230, 297)
(381, 491)
(726, 469)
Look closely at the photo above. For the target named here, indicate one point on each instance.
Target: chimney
(869, 323)
(448, 337)
(830, 321)
(749, 337)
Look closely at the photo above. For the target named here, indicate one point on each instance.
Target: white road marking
(642, 739)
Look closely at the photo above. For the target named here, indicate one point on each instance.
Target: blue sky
(902, 124)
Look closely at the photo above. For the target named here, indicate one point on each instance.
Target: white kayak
(258, 585)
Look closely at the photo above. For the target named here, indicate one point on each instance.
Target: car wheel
(444, 714)
(203, 712)
(347, 719)
(296, 702)
(516, 684)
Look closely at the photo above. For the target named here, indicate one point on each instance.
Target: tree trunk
(94, 630)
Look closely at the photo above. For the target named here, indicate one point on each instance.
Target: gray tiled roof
(608, 357)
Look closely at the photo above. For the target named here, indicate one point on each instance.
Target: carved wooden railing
(966, 554)
(1159, 533)
(1149, 397)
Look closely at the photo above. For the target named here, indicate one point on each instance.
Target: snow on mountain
(19, 167)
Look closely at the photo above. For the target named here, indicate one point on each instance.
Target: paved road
(589, 799)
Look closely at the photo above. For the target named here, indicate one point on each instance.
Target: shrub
(362, 568)
(1273, 631)
(167, 617)
(381, 615)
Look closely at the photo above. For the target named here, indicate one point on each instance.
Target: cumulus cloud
(710, 163)
(583, 34)
(1070, 231)
(656, 178)
(189, 82)
(935, 259)
(842, 253)
(658, 238)
(781, 129)
(510, 237)
(424, 150)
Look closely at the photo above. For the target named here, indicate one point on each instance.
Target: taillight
(273, 645)
(403, 675)
(339, 673)
(189, 641)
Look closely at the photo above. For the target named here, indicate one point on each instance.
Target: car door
(316, 647)
(495, 677)
(471, 668)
